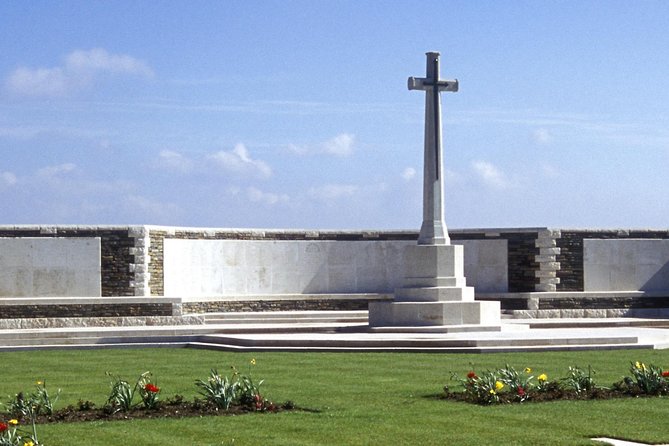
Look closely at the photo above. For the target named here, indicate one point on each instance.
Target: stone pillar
(547, 260)
(140, 265)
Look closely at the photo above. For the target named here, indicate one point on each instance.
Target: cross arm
(420, 83)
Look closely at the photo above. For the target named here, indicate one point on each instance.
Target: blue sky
(296, 114)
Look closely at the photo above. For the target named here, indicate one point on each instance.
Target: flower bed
(219, 395)
(506, 385)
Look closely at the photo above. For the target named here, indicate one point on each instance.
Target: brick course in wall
(604, 303)
(85, 310)
(275, 305)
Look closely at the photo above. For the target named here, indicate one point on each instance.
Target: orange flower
(152, 388)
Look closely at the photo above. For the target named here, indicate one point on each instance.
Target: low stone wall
(19, 308)
(223, 306)
(583, 304)
(85, 310)
(74, 322)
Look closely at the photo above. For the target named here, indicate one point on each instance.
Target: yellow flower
(492, 391)
(542, 377)
(528, 370)
(39, 383)
(499, 385)
(253, 361)
(29, 443)
(638, 365)
(13, 421)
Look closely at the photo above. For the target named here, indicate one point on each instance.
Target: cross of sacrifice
(433, 230)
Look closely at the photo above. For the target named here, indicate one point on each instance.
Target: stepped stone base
(402, 314)
(435, 293)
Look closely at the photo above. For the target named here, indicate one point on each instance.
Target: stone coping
(88, 300)
(81, 322)
(329, 296)
(571, 295)
(291, 297)
(51, 228)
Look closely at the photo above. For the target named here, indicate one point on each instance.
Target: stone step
(289, 318)
(104, 332)
(280, 314)
(410, 342)
(414, 349)
(286, 317)
(92, 346)
(137, 334)
(544, 335)
(111, 340)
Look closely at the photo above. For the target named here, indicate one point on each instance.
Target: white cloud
(269, 198)
(408, 174)
(490, 174)
(79, 70)
(238, 160)
(174, 161)
(99, 60)
(331, 192)
(39, 82)
(542, 136)
(7, 179)
(341, 145)
(55, 171)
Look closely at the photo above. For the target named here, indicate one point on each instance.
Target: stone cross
(433, 230)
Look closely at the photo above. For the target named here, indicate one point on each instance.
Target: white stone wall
(626, 264)
(210, 268)
(35, 266)
(486, 264)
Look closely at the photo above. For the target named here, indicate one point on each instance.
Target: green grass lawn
(373, 398)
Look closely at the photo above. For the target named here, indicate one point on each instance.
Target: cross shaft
(433, 229)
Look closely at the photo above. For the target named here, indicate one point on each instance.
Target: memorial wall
(206, 263)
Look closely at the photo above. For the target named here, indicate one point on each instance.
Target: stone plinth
(434, 293)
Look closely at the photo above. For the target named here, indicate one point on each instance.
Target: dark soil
(176, 408)
(556, 393)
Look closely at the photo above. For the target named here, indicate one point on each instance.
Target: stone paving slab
(616, 442)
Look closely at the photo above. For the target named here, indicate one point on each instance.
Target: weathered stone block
(549, 266)
(545, 243)
(545, 274)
